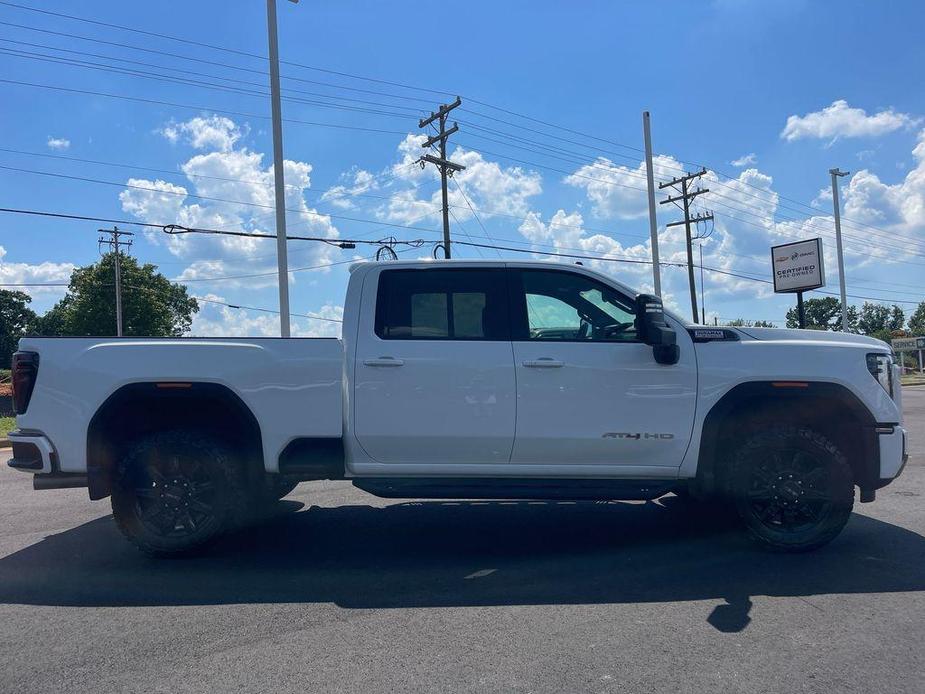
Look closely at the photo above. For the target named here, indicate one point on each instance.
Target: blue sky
(768, 96)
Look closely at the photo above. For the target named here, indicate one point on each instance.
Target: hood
(827, 336)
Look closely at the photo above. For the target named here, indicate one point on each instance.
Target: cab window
(442, 304)
(556, 305)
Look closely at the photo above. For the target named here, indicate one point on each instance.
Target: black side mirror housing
(653, 329)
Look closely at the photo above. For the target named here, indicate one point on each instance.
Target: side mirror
(653, 329)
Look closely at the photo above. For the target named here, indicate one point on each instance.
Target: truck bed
(293, 386)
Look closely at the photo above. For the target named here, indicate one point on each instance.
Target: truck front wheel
(175, 491)
(793, 488)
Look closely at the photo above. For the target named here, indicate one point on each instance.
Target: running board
(513, 488)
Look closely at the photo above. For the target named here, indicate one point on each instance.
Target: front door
(434, 379)
(588, 392)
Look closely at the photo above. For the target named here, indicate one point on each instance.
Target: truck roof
(489, 262)
(368, 265)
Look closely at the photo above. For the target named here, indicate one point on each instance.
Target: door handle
(384, 361)
(544, 363)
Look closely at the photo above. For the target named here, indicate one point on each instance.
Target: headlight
(881, 368)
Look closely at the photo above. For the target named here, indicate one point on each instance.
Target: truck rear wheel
(793, 488)
(175, 491)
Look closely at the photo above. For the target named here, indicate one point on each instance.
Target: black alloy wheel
(793, 488)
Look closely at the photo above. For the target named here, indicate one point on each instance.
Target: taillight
(25, 369)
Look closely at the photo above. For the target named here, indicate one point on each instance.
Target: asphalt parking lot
(345, 592)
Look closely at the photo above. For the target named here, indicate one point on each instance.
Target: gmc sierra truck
(469, 380)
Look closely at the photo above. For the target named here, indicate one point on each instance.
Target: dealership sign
(798, 267)
(908, 344)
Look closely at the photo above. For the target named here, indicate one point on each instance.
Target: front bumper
(893, 453)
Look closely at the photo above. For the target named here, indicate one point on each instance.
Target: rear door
(434, 374)
(589, 392)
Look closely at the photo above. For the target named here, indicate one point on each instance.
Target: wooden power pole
(447, 168)
(115, 244)
(686, 195)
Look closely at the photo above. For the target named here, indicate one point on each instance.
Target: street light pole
(841, 259)
(279, 182)
(650, 186)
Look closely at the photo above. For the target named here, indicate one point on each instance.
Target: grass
(913, 379)
(7, 424)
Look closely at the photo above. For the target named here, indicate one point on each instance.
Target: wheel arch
(141, 408)
(829, 408)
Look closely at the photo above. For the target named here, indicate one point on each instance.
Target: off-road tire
(175, 491)
(793, 489)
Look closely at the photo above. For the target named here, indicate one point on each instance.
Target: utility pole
(703, 303)
(114, 244)
(653, 222)
(279, 183)
(447, 168)
(841, 259)
(686, 196)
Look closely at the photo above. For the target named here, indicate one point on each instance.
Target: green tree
(152, 305)
(16, 318)
(823, 314)
(877, 319)
(743, 323)
(917, 321)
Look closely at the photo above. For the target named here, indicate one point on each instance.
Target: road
(345, 592)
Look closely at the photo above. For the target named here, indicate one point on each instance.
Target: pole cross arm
(439, 136)
(442, 162)
(680, 179)
(444, 109)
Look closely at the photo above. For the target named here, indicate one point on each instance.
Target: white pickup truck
(473, 380)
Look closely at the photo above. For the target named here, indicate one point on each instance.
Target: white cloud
(615, 190)
(566, 233)
(357, 182)
(823, 199)
(58, 143)
(898, 207)
(842, 120)
(489, 187)
(205, 132)
(229, 189)
(745, 160)
(41, 273)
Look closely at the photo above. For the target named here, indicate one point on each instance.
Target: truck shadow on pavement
(439, 554)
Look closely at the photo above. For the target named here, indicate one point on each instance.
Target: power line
(769, 218)
(224, 49)
(380, 179)
(572, 174)
(181, 174)
(195, 73)
(192, 107)
(203, 61)
(369, 79)
(199, 83)
(121, 27)
(533, 251)
(97, 181)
